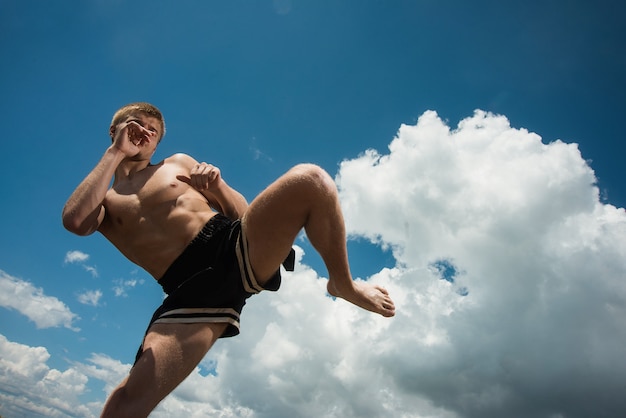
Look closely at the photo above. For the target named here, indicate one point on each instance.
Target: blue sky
(256, 87)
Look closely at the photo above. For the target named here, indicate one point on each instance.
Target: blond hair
(150, 110)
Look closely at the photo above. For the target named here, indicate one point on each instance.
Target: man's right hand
(129, 136)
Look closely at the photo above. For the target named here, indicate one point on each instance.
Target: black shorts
(211, 280)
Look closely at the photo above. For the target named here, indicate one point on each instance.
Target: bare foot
(365, 295)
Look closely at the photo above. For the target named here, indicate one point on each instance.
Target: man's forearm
(231, 202)
(82, 212)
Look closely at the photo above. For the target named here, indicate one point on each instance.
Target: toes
(382, 290)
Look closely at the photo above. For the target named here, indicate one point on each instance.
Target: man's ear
(112, 132)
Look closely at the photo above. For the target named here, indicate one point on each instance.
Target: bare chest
(153, 191)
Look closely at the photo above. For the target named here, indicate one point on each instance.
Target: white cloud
(44, 311)
(90, 297)
(31, 388)
(76, 257)
(542, 260)
(105, 369)
(91, 269)
(79, 257)
(122, 287)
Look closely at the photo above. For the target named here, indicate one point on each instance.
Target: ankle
(339, 289)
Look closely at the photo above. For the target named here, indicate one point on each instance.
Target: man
(209, 249)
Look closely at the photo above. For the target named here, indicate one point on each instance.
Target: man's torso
(152, 216)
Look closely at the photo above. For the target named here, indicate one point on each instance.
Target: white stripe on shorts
(194, 315)
(245, 269)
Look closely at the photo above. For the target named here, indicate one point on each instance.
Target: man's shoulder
(180, 159)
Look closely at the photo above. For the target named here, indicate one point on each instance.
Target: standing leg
(170, 353)
(306, 197)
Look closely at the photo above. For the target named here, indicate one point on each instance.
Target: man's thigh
(272, 223)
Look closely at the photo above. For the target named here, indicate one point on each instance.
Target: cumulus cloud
(104, 368)
(31, 388)
(537, 326)
(24, 297)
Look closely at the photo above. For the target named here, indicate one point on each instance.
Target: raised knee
(308, 169)
(313, 174)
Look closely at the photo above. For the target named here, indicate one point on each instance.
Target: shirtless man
(161, 216)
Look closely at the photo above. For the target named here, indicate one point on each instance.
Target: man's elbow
(76, 226)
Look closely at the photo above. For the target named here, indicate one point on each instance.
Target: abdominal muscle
(154, 237)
